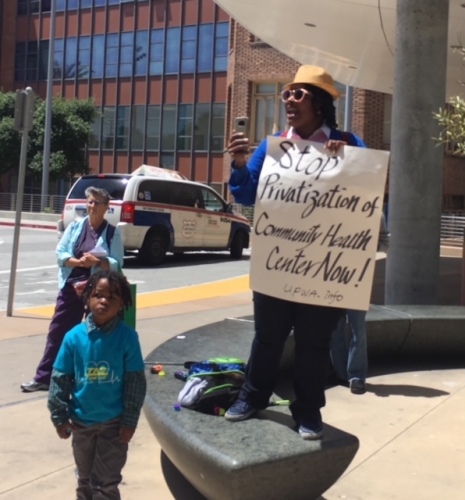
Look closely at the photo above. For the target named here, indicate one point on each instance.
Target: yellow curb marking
(172, 296)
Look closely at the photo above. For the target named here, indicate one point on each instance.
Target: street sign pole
(24, 110)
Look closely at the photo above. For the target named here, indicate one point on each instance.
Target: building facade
(156, 71)
(168, 77)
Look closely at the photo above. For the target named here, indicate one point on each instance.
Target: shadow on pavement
(416, 391)
(179, 486)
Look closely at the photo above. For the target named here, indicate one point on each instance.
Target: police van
(159, 211)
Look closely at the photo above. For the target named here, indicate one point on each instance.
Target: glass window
(43, 59)
(153, 128)
(20, 62)
(95, 131)
(217, 134)
(140, 53)
(108, 132)
(84, 57)
(111, 54)
(122, 127)
(137, 128)
(185, 127)
(22, 7)
(154, 191)
(188, 49)
(73, 4)
(269, 115)
(201, 127)
(173, 46)
(205, 61)
(126, 54)
(167, 161)
(211, 200)
(60, 5)
(32, 60)
(86, 3)
(99, 3)
(71, 57)
(168, 127)
(58, 53)
(185, 195)
(156, 52)
(98, 44)
(46, 5)
(221, 46)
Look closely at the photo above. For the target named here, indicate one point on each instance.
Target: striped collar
(106, 328)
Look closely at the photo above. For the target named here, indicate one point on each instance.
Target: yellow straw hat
(316, 76)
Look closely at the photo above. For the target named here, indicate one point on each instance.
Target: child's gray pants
(99, 458)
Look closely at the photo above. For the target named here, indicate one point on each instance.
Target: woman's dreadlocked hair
(117, 282)
(327, 108)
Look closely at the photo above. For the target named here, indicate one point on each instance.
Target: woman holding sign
(311, 115)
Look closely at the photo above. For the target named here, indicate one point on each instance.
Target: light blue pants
(350, 360)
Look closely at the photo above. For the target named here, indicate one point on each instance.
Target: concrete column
(415, 186)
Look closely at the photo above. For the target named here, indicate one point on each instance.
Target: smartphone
(241, 124)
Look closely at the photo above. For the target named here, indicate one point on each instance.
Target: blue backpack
(213, 385)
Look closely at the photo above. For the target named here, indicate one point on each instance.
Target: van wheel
(154, 249)
(237, 245)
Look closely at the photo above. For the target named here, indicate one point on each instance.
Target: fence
(245, 211)
(452, 227)
(32, 203)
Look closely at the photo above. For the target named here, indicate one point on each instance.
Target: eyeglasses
(95, 202)
(298, 95)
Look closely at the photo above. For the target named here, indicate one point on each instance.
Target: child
(98, 387)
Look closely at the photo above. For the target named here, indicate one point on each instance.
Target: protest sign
(316, 223)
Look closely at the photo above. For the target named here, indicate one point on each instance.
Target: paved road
(36, 277)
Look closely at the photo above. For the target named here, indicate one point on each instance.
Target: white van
(161, 213)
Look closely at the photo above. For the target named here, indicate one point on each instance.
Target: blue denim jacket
(65, 249)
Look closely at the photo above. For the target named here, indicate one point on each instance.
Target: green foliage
(71, 125)
(452, 121)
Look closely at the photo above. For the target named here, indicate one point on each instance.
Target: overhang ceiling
(352, 39)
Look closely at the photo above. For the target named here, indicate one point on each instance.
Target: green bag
(128, 316)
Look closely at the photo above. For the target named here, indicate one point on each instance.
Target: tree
(71, 126)
(452, 121)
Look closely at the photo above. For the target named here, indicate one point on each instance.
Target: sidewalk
(410, 423)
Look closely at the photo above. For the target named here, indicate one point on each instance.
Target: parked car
(159, 212)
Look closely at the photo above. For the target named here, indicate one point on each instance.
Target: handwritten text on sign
(316, 223)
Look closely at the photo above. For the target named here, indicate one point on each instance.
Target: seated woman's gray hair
(100, 193)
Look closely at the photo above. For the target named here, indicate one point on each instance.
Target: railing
(32, 203)
(452, 227)
(245, 211)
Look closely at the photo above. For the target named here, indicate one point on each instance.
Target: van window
(212, 201)
(185, 195)
(114, 185)
(154, 191)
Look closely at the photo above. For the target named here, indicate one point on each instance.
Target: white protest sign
(316, 223)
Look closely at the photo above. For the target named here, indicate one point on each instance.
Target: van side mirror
(229, 208)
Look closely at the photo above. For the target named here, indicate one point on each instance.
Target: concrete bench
(262, 458)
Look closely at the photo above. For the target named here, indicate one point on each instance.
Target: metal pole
(48, 109)
(19, 206)
(348, 109)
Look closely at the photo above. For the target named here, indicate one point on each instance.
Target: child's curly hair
(118, 283)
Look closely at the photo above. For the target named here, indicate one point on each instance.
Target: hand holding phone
(241, 124)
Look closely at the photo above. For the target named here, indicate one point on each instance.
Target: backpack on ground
(211, 386)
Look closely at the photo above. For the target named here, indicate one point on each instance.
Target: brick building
(168, 77)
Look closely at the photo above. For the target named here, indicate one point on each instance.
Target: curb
(32, 225)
